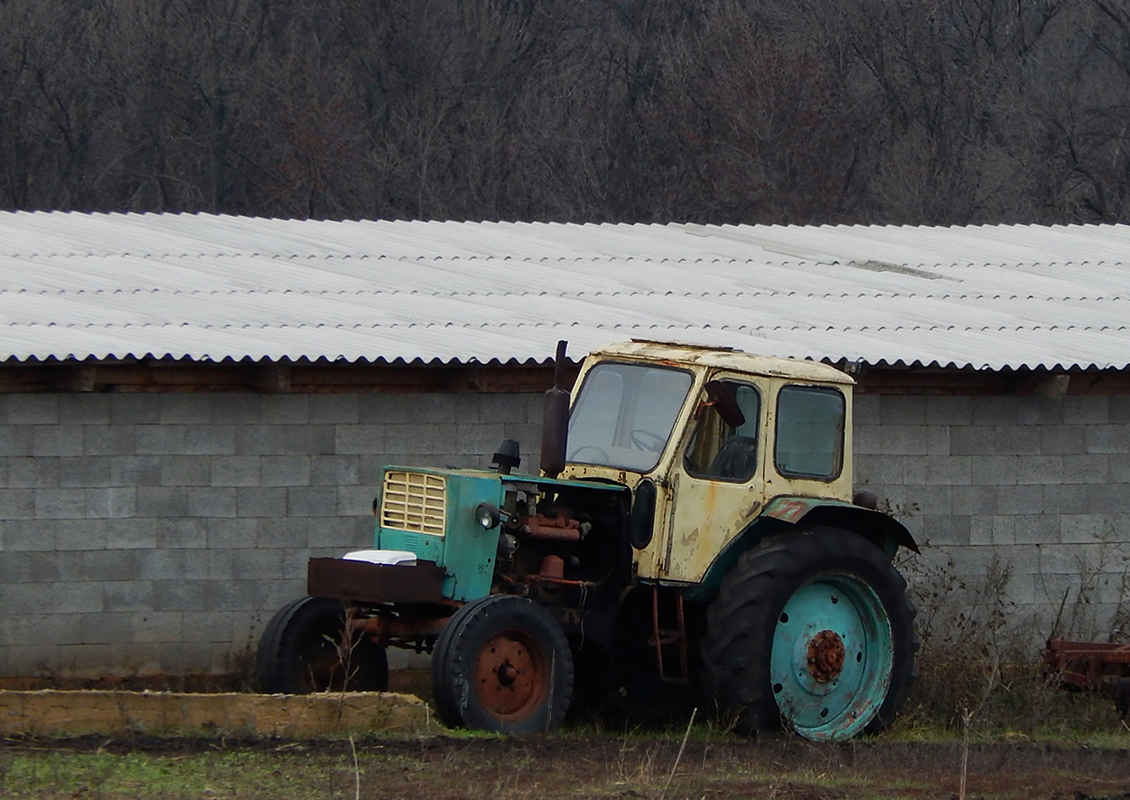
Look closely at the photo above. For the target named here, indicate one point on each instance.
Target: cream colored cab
(664, 414)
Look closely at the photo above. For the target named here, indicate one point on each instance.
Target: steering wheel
(647, 441)
(576, 454)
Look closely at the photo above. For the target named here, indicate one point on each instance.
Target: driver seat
(736, 459)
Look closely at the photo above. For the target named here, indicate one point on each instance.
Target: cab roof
(695, 355)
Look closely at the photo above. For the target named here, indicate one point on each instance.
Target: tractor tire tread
(740, 622)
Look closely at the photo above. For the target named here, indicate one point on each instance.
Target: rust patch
(345, 580)
(826, 655)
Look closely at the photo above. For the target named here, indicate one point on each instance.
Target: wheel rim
(832, 658)
(511, 677)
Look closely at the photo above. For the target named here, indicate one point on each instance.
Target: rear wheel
(305, 649)
(813, 631)
(502, 664)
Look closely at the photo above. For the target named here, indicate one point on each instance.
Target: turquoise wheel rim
(832, 658)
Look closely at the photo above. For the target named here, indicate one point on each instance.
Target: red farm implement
(1092, 665)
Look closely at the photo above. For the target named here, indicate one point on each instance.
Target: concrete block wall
(1040, 486)
(157, 533)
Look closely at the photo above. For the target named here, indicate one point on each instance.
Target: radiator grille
(414, 501)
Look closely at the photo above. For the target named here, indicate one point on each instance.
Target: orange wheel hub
(511, 677)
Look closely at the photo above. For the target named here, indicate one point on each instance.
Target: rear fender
(883, 531)
(793, 513)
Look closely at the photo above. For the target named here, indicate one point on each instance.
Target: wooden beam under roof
(327, 378)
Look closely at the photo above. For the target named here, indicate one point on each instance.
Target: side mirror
(726, 404)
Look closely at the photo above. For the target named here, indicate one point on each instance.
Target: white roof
(116, 286)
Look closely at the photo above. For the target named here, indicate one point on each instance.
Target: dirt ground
(586, 762)
(572, 765)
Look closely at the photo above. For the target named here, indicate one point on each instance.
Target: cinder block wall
(157, 533)
(1029, 492)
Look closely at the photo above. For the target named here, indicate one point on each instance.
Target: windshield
(624, 415)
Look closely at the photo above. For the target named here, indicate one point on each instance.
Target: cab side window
(721, 452)
(810, 432)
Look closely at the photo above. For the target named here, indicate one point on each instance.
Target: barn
(191, 406)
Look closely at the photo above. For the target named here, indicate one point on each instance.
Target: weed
(1081, 614)
(978, 653)
(239, 663)
(356, 769)
(966, 719)
(632, 767)
(963, 625)
(679, 756)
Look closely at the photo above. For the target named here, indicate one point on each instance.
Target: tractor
(692, 532)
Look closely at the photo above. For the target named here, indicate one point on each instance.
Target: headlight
(487, 515)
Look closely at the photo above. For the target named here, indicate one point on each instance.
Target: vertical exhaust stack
(555, 430)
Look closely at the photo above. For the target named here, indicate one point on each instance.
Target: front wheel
(814, 631)
(502, 664)
(304, 649)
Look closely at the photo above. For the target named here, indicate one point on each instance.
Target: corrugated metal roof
(114, 286)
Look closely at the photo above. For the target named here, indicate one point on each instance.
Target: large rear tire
(812, 631)
(502, 664)
(304, 649)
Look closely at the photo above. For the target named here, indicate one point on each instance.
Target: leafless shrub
(965, 633)
(979, 661)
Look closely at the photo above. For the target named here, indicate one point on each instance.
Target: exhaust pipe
(555, 430)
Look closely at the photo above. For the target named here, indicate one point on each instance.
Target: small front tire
(502, 664)
(303, 649)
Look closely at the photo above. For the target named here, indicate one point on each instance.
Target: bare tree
(619, 110)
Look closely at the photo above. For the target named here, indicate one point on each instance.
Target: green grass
(144, 775)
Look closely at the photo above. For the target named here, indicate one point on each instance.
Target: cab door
(717, 483)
